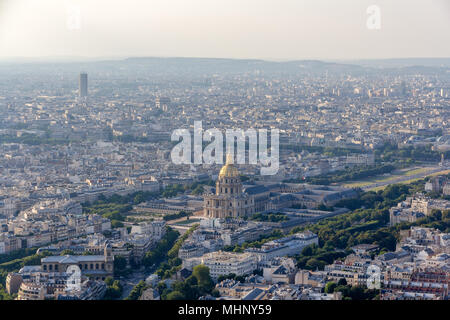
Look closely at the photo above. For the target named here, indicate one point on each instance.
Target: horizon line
(68, 58)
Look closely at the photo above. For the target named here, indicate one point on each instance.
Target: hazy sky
(273, 29)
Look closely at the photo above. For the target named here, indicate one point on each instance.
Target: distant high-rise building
(403, 89)
(83, 90)
(162, 103)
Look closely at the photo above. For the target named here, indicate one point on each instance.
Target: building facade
(96, 267)
(229, 199)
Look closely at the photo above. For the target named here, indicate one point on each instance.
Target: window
(92, 266)
(50, 267)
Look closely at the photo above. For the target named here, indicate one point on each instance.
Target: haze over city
(268, 29)
(249, 155)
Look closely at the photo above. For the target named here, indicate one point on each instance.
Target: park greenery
(32, 139)
(198, 190)
(351, 174)
(178, 215)
(197, 285)
(351, 292)
(113, 289)
(324, 207)
(17, 254)
(275, 234)
(121, 267)
(173, 264)
(410, 154)
(116, 207)
(163, 258)
(388, 158)
(366, 223)
(137, 290)
(328, 151)
(233, 276)
(270, 217)
(4, 295)
(14, 266)
(159, 254)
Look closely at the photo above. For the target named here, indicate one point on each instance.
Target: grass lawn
(382, 178)
(412, 180)
(186, 221)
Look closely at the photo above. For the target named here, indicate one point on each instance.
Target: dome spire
(228, 170)
(230, 159)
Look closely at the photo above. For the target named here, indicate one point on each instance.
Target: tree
(191, 280)
(342, 282)
(113, 290)
(109, 281)
(67, 252)
(175, 295)
(308, 251)
(201, 272)
(116, 224)
(198, 190)
(161, 287)
(344, 289)
(137, 291)
(120, 263)
(357, 293)
(314, 264)
(330, 286)
(215, 293)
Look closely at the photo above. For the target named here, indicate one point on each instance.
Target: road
(129, 282)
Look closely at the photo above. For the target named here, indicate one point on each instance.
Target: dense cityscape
(359, 207)
(211, 159)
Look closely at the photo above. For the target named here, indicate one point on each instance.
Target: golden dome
(228, 170)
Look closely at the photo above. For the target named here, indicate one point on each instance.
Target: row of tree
(197, 285)
(173, 264)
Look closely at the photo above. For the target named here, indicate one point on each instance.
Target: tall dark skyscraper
(83, 90)
(162, 103)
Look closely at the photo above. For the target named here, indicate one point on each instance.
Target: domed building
(229, 200)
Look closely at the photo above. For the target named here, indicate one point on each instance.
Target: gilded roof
(228, 170)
